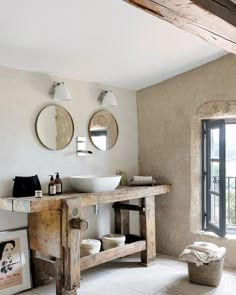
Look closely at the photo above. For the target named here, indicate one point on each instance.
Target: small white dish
(110, 241)
(89, 247)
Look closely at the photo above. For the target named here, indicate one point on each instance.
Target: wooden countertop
(123, 193)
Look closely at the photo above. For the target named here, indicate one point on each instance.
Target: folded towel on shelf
(143, 178)
(202, 252)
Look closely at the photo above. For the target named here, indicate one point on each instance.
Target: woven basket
(208, 274)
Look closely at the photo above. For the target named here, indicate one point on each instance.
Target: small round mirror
(103, 130)
(54, 127)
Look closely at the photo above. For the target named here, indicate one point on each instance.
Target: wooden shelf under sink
(111, 254)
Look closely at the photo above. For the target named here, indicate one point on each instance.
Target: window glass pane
(214, 143)
(214, 203)
(215, 177)
(230, 149)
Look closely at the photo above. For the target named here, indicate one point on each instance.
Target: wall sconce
(107, 99)
(59, 91)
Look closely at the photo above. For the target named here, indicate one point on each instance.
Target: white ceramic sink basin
(94, 183)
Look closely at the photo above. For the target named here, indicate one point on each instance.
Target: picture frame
(14, 262)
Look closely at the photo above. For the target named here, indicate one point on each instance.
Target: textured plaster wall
(22, 96)
(169, 139)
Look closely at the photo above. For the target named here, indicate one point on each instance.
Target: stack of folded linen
(143, 180)
(202, 252)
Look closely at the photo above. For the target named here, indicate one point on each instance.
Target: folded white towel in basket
(202, 252)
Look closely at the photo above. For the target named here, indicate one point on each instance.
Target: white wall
(22, 96)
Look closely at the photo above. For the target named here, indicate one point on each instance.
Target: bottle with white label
(58, 183)
(52, 187)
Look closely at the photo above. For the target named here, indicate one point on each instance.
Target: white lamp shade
(61, 92)
(109, 99)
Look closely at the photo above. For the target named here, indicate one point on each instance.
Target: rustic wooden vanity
(55, 225)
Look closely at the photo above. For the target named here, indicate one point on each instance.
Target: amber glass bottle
(58, 183)
(51, 187)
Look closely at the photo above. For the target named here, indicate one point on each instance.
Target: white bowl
(89, 247)
(112, 240)
(94, 183)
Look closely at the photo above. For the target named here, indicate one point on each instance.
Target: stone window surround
(209, 110)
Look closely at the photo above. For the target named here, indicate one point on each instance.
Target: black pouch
(25, 186)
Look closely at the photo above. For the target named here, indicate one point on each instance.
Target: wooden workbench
(55, 226)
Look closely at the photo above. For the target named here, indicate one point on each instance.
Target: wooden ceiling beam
(225, 9)
(198, 17)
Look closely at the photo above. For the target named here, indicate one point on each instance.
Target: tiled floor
(126, 277)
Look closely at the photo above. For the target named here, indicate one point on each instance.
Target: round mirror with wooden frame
(54, 127)
(103, 130)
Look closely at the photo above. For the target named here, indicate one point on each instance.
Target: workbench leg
(44, 270)
(59, 277)
(122, 220)
(147, 230)
(39, 275)
(71, 240)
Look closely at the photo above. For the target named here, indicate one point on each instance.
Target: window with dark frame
(219, 176)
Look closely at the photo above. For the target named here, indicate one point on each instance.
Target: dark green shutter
(213, 166)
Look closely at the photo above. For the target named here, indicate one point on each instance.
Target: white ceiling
(103, 41)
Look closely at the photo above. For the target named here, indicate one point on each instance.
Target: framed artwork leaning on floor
(14, 262)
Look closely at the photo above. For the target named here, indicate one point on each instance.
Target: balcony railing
(230, 200)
